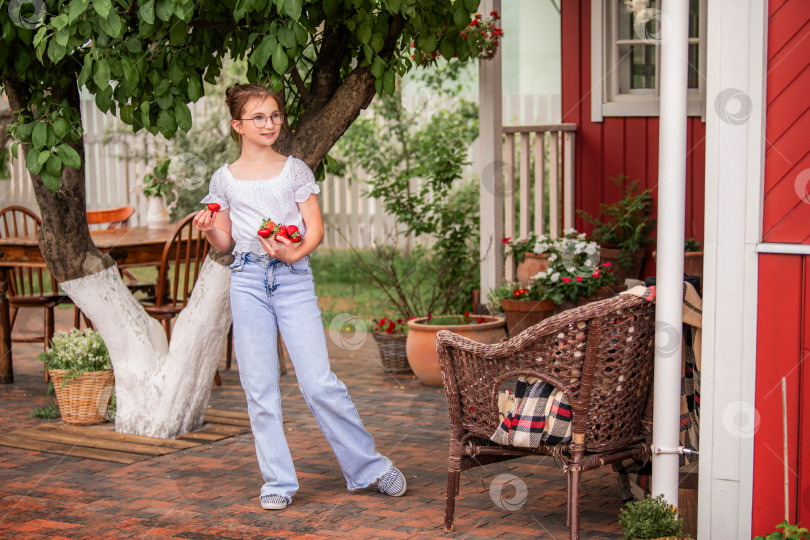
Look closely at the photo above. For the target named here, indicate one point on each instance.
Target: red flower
(478, 15)
(474, 22)
(400, 321)
(382, 321)
(409, 318)
(430, 316)
(606, 264)
(597, 273)
(497, 32)
(566, 279)
(495, 15)
(463, 36)
(480, 320)
(389, 330)
(579, 278)
(466, 313)
(506, 240)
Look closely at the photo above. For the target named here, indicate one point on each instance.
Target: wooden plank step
(213, 419)
(203, 436)
(240, 415)
(225, 429)
(76, 451)
(89, 441)
(104, 432)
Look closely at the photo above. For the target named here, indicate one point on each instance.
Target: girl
(272, 287)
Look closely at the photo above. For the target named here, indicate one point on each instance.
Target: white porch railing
(543, 158)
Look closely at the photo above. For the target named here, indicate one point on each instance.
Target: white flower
(552, 257)
(588, 262)
(555, 277)
(592, 248)
(570, 230)
(539, 275)
(581, 236)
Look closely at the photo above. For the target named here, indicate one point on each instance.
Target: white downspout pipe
(674, 28)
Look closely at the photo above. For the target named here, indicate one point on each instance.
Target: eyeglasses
(260, 120)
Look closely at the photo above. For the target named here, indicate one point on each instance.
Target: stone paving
(211, 491)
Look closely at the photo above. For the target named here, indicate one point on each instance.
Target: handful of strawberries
(269, 229)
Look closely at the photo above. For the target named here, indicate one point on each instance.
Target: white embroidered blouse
(253, 201)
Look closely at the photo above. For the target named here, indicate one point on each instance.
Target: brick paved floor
(210, 491)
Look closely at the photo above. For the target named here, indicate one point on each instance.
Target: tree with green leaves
(146, 61)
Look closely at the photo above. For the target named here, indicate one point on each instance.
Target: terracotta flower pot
(522, 314)
(611, 255)
(531, 265)
(421, 343)
(692, 263)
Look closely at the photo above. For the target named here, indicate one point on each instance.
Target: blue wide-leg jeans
(267, 294)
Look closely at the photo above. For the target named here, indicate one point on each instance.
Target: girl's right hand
(204, 221)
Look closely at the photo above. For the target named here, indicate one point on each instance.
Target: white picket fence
(113, 175)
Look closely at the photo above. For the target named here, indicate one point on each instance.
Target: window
(626, 57)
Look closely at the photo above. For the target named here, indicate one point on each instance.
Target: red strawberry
(264, 232)
(293, 233)
(280, 235)
(267, 228)
(282, 230)
(213, 207)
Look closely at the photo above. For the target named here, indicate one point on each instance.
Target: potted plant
(390, 336)
(421, 341)
(82, 374)
(156, 186)
(650, 518)
(788, 532)
(623, 229)
(573, 277)
(529, 254)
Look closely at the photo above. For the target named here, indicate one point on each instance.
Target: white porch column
(489, 165)
(674, 28)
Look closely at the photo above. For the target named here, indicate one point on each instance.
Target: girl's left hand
(282, 249)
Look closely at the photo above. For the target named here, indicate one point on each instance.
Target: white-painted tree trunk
(162, 389)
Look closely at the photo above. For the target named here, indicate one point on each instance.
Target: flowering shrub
(519, 247)
(483, 34)
(391, 326)
(573, 270)
(650, 518)
(76, 351)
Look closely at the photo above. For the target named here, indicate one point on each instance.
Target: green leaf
(111, 25)
(330, 7)
(261, 54)
(32, 161)
(62, 37)
(60, 21)
(147, 12)
(40, 135)
(76, 8)
(195, 89)
(182, 115)
(15, 148)
(471, 5)
(164, 10)
(280, 61)
(377, 67)
(394, 6)
(134, 45)
(101, 74)
(427, 41)
(389, 80)
(166, 123)
(131, 75)
(51, 182)
(39, 35)
(301, 34)
(61, 127)
(165, 100)
(102, 7)
(377, 42)
(286, 37)
(446, 48)
(364, 32)
(127, 114)
(54, 166)
(86, 71)
(69, 155)
(178, 33)
(9, 33)
(293, 8)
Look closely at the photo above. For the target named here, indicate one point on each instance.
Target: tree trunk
(162, 388)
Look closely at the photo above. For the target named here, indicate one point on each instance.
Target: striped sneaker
(273, 502)
(392, 483)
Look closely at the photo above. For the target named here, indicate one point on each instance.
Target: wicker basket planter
(83, 400)
(392, 351)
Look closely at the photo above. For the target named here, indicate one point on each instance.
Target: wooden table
(137, 246)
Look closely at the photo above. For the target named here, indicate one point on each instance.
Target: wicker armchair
(600, 355)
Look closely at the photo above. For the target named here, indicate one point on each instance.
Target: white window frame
(605, 99)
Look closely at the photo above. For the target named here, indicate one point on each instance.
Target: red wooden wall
(783, 328)
(786, 211)
(617, 145)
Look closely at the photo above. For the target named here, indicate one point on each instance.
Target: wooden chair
(600, 355)
(29, 286)
(182, 260)
(117, 218)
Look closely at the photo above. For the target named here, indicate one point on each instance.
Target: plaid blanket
(634, 476)
(537, 414)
